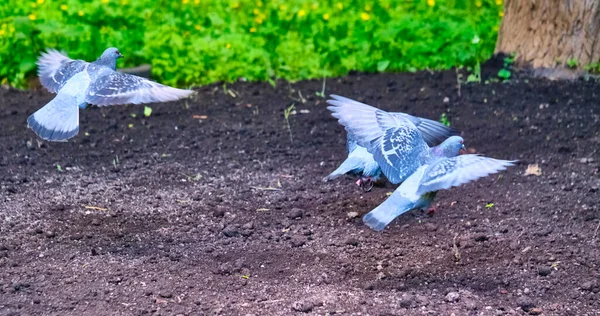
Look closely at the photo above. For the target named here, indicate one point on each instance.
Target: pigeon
(78, 83)
(419, 190)
(400, 149)
(361, 163)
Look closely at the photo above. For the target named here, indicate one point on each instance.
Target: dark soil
(226, 214)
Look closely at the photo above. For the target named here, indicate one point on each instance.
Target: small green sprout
(476, 75)
(322, 93)
(116, 162)
(489, 205)
(59, 168)
(504, 74)
(147, 111)
(444, 119)
(286, 116)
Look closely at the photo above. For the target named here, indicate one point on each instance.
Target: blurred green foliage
(192, 42)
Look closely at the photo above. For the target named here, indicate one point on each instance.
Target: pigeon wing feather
(448, 172)
(55, 69)
(111, 87)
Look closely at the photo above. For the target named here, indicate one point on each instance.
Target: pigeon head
(109, 58)
(453, 146)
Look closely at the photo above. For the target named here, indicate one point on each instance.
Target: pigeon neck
(108, 62)
(437, 151)
(443, 150)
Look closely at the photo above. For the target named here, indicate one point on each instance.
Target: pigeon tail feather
(387, 211)
(55, 121)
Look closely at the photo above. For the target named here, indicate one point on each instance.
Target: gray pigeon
(398, 141)
(79, 83)
(404, 156)
(360, 162)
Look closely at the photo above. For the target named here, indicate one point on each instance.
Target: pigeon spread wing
(449, 172)
(112, 88)
(55, 69)
(361, 121)
(433, 132)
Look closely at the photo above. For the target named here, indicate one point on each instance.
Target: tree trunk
(551, 33)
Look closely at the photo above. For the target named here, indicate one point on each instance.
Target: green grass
(193, 42)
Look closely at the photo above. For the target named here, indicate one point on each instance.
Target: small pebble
(452, 297)
(407, 301)
(295, 213)
(535, 311)
(230, 231)
(298, 241)
(544, 271)
(303, 306)
(352, 242)
(431, 227)
(525, 303)
(481, 237)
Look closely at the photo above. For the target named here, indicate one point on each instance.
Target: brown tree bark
(548, 33)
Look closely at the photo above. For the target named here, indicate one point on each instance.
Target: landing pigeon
(360, 162)
(79, 83)
(419, 190)
(404, 156)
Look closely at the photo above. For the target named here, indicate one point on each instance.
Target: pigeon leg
(367, 184)
(430, 211)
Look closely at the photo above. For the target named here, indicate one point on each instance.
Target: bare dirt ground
(208, 207)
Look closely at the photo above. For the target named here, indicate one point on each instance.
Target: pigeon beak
(121, 55)
(462, 150)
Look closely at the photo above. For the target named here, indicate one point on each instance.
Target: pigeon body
(360, 161)
(404, 156)
(78, 83)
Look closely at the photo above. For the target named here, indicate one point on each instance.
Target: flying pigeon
(78, 83)
(404, 156)
(360, 162)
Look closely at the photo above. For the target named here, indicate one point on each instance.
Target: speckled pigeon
(419, 190)
(360, 162)
(79, 83)
(404, 156)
